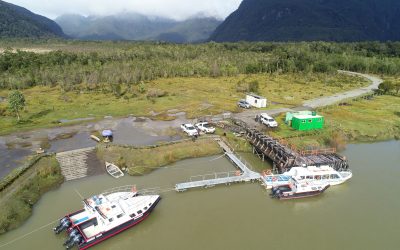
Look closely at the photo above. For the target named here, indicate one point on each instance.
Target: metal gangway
(244, 174)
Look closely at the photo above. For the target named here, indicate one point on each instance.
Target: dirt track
(249, 115)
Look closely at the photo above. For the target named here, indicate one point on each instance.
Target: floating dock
(243, 174)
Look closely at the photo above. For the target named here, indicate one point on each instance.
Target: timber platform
(285, 157)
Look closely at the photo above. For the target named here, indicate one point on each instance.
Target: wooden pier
(285, 157)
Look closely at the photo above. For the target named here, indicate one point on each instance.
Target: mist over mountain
(310, 20)
(134, 26)
(16, 21)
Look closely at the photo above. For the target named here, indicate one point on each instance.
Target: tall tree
(16, 102)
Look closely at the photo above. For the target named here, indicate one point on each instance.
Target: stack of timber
(283, 157)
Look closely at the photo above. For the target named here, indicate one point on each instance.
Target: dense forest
(73, 64)
(312, 20)
(16, 21)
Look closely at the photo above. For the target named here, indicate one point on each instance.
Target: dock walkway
(244, 174)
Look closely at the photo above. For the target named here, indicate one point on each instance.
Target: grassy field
(140, 161)
(357, 121)
(18, 199)
(195, 96)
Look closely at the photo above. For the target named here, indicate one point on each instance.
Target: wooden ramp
(74, 163)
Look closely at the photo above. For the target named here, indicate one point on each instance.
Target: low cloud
(176, 9)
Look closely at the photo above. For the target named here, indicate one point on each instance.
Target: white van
(268, 120)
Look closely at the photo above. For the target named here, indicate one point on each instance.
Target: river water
(361, 214)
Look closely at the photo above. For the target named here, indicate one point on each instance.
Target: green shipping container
(307, 122)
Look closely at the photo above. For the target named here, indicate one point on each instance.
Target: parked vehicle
(189, 129)
(243, 104)
(205, 127)
(268, 120)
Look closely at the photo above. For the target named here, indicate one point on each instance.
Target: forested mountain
(311, 20)
(16, 21)
(134, 26)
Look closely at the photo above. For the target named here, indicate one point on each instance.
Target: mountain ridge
(18, 22)
(134, 26)
(311, 20)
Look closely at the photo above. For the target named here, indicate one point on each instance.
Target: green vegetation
(16, 21)
(361, 120)
(98, 66)
(390, 87)
(18, 198)
(195, 96)
(16, 102)
(143, 160)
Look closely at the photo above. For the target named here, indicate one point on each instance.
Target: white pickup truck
(189, 129)
(268, 120)
(205, 127)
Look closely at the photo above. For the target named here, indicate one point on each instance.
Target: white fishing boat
(114, 170)
(106, 215)
(322, 174)
(296, 189)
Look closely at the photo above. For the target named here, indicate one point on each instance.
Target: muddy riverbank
(135, 131)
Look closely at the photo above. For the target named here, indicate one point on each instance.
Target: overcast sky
(177, 9)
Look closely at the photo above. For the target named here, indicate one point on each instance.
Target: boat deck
(81, 217)
(91, 231)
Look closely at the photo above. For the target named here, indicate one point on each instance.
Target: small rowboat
(95, 138)
(114, 170)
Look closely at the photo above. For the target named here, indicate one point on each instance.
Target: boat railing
(211, 176)
(127, 188)
(132, 188)
(149, 191)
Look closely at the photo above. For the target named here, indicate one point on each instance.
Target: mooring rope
(27, 234)
(159, 190)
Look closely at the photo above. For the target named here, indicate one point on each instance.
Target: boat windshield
(272, 178)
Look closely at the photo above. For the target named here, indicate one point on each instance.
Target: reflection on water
(361, 214)
(11, 158)
(79, 140)
(129, 132)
